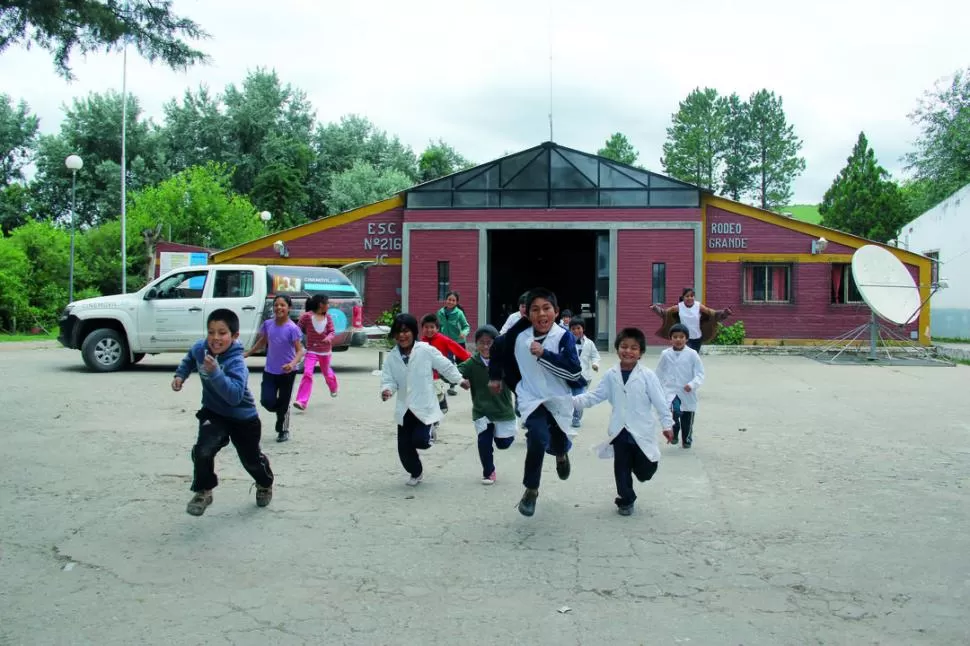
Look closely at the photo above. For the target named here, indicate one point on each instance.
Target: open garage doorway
(572, 263)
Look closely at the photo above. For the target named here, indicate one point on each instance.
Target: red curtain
(779, 283)
(837, 282)
(749, 283)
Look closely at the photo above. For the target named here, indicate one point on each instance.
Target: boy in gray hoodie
(228, 412)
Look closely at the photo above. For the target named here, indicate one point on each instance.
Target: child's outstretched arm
(388, 383)
(465, 328)
(444, 367)
(594, 356)
(187, 366)
(257, 346)
(564, 364)
(698, 378)
(659, 401)
(455, 348)
(602, 392)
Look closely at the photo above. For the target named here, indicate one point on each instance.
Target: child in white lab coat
(681, 372)
(409, 372)
(632, 390)
(589, 360)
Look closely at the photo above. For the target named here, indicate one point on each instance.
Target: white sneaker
(434, 432)
(414, 482)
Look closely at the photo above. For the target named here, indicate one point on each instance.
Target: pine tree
(619, 149)
(863, 200)
(776, 149)
(737, 178)
(695, 139)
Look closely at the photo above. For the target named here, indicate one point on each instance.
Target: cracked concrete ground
(819, 505)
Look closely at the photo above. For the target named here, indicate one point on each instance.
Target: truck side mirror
(151, 294)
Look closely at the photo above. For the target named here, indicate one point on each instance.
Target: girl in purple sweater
(318, 328)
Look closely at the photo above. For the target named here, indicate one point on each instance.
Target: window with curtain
(844, 289)
(659, 283)
(444, 279)
(935, 267)
(767, 283)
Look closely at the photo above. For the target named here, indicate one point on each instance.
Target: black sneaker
(263, 495)
(527, 506)
(452, 392)
(283, 436)
(625, 510)
(563, 468)
(686, 445)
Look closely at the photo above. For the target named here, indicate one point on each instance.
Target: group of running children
(547, 364)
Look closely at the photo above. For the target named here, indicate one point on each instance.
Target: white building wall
(945, 229)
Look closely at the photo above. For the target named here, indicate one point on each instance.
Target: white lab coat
(539, 386)
(589, 356)
(414, 382)
(510, 321)
(676, 370)
(631, 403)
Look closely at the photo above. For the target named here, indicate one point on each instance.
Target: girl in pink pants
(318, 327)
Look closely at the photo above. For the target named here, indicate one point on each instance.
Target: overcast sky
(478, 74)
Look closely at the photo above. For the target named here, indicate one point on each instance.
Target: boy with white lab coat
(632, 390)
(589, 360)
(409, 372)
(681, 373)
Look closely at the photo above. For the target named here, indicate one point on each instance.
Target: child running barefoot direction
(492, 415)
(632, 390)
(408, 372)
(318, 329)
(228, 412)
(537, 359)
(681, 373)
(284, 348)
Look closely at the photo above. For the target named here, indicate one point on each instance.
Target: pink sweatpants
(306, 383)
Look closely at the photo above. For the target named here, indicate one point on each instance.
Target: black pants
(629, 460)
(542, 435)
(274, 394)
(215, 433)
(683, 423)
(695, 344)
(485, 451)
(411, 436)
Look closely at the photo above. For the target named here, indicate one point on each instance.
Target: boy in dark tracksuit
(228, 412)
(537, 359)
(493, 415)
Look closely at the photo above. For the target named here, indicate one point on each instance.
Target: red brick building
(608, 238)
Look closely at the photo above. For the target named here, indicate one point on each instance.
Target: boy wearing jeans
(228, 412)
(537, 359)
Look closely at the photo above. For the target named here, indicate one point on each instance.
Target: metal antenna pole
(550, 70)
(873, 335)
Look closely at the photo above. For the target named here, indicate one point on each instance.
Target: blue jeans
(578, 412)
(543, 436)
(411, 436)
(485, 451)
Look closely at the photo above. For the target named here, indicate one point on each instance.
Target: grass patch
(804, 212)
(949, 339)
(14, 338)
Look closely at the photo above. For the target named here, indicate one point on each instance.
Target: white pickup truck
(169, 314)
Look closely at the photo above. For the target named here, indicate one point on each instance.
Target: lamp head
(74, 162)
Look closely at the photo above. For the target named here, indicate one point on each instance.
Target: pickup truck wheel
(104, 351)
(138, 356)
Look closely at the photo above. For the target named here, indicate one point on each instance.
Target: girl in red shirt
(318, 328)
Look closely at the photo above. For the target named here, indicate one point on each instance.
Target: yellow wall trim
(312, 262)
(858, 343)
(800, 258)
(308, 229)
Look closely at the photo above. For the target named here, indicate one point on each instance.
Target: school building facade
(608, 238)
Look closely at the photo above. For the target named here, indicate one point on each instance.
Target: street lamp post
(74, 163)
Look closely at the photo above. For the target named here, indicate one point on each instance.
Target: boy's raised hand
(536, 349)
(495, 386)
(385, 395)
(465, 384)
(687, 388)
(210, 364)
(177, 384)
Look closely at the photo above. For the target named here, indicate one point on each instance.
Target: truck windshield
(303, 282)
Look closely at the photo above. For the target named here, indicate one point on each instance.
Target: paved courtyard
(819, 505)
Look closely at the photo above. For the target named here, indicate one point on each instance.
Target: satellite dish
(886, 285)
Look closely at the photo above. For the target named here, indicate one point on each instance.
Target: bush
(387, 316)
(730, 334)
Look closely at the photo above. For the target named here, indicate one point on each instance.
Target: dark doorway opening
(563, 261)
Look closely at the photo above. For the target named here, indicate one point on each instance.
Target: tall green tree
(363, 184)
(195, 131)
(695, 139)
(619, 149)
(92, 129)
(440, 159)
(941, 161)
(863, 200)
(60, 27)
(738, 154)
(776, 147)
(18, 136)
